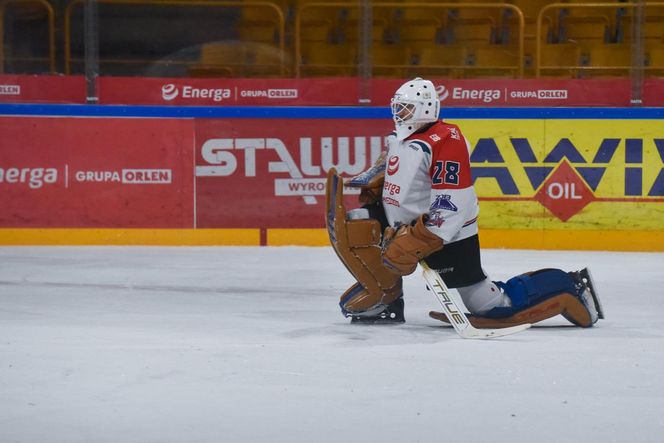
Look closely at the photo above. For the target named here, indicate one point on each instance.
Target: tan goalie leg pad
(357, 243)
(564, 304)
(357, 300)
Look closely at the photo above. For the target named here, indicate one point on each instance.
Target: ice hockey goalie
(419, 203)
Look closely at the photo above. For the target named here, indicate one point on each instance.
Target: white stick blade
(492, 333)
(454, 309)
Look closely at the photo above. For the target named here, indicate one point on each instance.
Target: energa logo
(169, 92)
(442, 92)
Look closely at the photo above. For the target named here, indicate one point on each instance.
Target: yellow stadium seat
(655, 61)
(652, 29)
(318, 13)
(390, 60)
(443, 55)
(444, 60)
(266, 61)
(316, 31)
(354, 13)
(258, 14)
(240, 59)
(259, 23)
(560, 60)
(494, 61)
(259, 32)
(466, 11)
(418, 34)
(420, 14)
(221, 59)
(609, 60)
(585, 31)
(318, 24)
(325, 59)
(349, 30)
(470, 31)
(418, 27)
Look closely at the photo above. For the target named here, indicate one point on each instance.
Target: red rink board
(42, 89)
(253, 175)
(130, 173)
(324, 91)
(346, 91)
(225, 92)
(161, 173)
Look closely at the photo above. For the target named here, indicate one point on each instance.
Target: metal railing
(51, 30)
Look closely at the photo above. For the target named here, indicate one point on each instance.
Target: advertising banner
(42, 89)
(130, 173)
(653, 92)
(249, 173)
(228, 92)
(527, 92)
(540, 175)
(346, 91)
(568, 174)
(529, 174)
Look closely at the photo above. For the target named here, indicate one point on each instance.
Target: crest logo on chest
(393, 165)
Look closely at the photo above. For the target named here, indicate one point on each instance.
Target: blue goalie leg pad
(527, 290)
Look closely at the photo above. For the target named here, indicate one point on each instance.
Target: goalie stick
(453, 307)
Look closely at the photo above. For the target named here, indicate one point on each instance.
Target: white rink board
(152, 344)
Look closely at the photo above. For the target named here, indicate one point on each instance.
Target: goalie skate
(588, 293)
(391, 314)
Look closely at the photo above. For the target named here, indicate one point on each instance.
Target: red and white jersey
(429, 172)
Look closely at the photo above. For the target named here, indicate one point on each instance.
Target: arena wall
(547, 178)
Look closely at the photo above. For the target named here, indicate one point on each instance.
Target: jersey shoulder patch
(435, 133)
(419, 145)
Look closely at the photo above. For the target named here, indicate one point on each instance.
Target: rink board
(554, 178)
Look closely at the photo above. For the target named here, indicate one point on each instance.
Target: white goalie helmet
(414, 105)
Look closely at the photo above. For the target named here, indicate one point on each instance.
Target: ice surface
(111, 344)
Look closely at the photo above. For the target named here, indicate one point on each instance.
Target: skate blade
(593, 293)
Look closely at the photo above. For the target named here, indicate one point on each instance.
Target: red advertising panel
(90, 172)
(250, 174)
(42, 89)
(653, 92)
(528, 92)
(224, 92)
(345, 91)
(325, 91)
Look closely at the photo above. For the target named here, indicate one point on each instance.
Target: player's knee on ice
(482, 297)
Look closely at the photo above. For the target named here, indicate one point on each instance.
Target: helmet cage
(402, 111)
